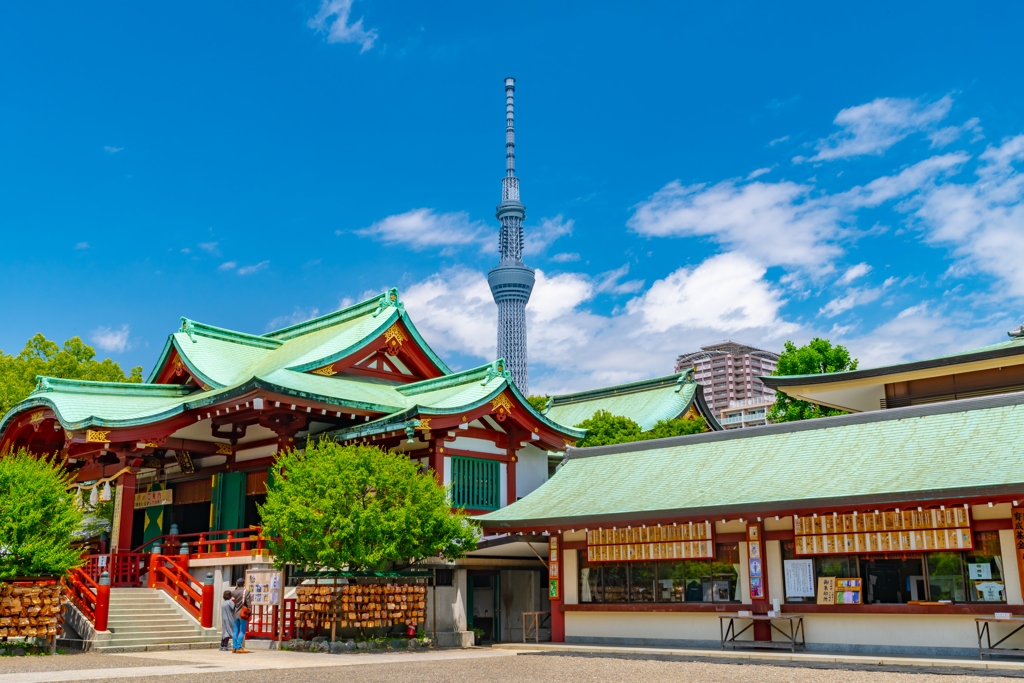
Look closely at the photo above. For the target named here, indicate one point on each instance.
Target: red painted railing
(83, 592)
(166, 574)
(229, 543)
(264, 622)
(125, 569)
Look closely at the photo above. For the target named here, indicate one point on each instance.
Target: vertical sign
(1018, 541)
(554, 569)
(115, 527)
(755, 559)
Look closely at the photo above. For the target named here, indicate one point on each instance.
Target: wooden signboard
(1017, 517)
(641, 544)
(826, 590)
(883, 532)
(554, 573)
(153, 498)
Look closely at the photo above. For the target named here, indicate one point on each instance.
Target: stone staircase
(146, 619)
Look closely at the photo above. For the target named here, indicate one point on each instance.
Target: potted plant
(478, 638)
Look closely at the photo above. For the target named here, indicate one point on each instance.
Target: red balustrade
(229, 543)
(83, 591)
(166, 574)
(265, 621)
(125, 569)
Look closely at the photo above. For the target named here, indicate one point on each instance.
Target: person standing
(227, 621)
(242, 610)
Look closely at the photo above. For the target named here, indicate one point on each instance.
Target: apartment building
(729, 371)
(746, 412)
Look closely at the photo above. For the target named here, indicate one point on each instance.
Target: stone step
(169, 619)
(144, 632)
(115, 649)
(155, 609)
(148, 600)
(157, 640)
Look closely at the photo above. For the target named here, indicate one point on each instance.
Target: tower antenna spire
(511, 281)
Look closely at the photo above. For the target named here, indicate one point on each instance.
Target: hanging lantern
(105, 496)
(94, 497)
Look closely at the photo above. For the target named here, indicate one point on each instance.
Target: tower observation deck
(511, 281)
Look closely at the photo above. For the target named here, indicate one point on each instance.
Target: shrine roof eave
(184, 403)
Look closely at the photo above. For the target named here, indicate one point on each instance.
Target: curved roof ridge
(191, 328)
(639, 385)
(376, 303)
(485, 372)
(88, 386)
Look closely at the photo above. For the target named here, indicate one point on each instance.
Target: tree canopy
(817, 357)
(38, 517)
(538, 402)
(359, 507)
(76, 360)
(604, 428)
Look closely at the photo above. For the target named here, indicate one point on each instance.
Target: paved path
(215, 661)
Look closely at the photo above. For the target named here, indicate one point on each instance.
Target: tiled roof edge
(331, 319)
(946, 408)
(191, 327)
(487, 371)
(615, 389)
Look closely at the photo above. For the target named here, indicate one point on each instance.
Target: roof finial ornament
(1017, 332)
(188, 328)
(390, 298)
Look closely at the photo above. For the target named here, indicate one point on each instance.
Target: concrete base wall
(918, 634)
(455, 639)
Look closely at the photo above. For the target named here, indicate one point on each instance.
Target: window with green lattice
(476, 483)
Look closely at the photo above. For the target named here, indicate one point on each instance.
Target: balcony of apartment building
(747, 412)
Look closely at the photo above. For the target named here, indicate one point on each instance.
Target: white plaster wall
(1011, 574)
(463, 443)
(843, 632)
(503, 484)
(773, 566)
(570, 577)
(447, 470)
(531, 470)
(451, 606)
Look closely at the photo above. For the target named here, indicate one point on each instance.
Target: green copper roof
(937, 451)
(1011, 347)
(233, 363)
(645, 402)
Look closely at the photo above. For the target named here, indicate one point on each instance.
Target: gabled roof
(933, 452)
(645, 402)
(231, 364)
(452, 394)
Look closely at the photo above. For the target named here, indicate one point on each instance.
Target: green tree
(359, 507)
(815, 358)
(538, 402)
(38, 517)
(604, 428)
(77, 360)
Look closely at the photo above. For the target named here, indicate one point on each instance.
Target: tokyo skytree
(511, 281)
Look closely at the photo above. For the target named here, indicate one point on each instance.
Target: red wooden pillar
(757, 572)
(285, 440)
(206, 608)
(124, 511)
(510, 477)
(436, 460)
(556, 587)
(102, 602)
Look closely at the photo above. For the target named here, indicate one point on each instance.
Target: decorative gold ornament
(425, 423)
(224, 449)
(502, 405)
(36, 417)
(326, 371)
(179, 367)
(394, 338)
(156, 442)
(96, 436)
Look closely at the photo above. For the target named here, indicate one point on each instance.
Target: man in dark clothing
(227, 621)
(242, 599)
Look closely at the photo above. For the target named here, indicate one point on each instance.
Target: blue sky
(690, 173)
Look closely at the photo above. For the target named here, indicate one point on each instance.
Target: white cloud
(109, 340)
(426, 229)
(210, 248)
(949, 134)
(911, 179)
(982, 222)
(855, 296)
(609, 282)
(228, 265)
(565, 257)
(112, 150)
(758, 172)
(540, 237)
(778, 140)
(876, 126)
(725, 293)
(339, 30)
(249, 270)
(454, 310)
(854, 272)
(186, 250)
(776, 223)
(82, 245)
(299, 315)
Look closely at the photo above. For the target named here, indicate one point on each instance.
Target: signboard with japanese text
(554, 582)
(848, 533)
(152, 498)
(694, 540)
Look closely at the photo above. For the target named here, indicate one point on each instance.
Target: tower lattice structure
(511, 281)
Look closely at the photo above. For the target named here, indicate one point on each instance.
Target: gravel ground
(545, 668)
(74, 661)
